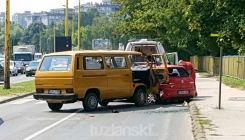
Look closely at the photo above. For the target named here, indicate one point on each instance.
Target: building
(85, 7)
(20, 18)
(2, 17)
(105, 8)
(54, 15)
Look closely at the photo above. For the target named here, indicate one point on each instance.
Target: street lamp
(66, 22)
(78, 34)
(220, 67)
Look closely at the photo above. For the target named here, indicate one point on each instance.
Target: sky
(19, 6)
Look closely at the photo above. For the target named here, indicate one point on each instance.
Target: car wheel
(90, 102)
(55, 106)
(104, 102)
(27, 75)
(139, 97)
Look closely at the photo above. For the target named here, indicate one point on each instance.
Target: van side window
(116, 62)
(178, 72)
(93, 63)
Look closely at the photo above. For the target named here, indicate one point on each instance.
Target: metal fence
(233, 66)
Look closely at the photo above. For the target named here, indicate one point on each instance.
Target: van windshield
(56, 63)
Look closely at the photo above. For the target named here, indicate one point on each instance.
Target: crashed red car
(181, 85)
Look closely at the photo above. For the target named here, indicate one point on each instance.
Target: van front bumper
(55, 97)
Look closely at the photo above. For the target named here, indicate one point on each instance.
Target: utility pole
(54, 35)
(78, 36)
(66, 23)
(72, 37)
(40, 39)
(7, 47)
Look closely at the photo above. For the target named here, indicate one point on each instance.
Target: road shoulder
(219, 124)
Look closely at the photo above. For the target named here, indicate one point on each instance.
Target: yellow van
(93, 77)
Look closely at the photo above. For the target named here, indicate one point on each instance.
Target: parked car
(20, 66)
(12, 67)
(31, 68)
(181, 86)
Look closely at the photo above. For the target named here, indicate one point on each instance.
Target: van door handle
(126, 74)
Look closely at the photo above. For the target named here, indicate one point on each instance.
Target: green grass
(18, 89)
(229, 81)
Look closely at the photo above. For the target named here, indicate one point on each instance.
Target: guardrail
(233, 66)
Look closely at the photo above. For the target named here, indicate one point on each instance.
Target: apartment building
(20, 18)
(54, 15)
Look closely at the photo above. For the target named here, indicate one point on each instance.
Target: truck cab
(38, 56)
(24, 53)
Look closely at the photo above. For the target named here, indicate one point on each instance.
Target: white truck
(24, 53)
(151, 46)
(38, 56)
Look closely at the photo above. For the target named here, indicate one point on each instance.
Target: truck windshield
(56, 63)
(22, 57)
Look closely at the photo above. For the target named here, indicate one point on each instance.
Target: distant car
(31, 68)
(20, 66)
(12, 67)
(181, 86)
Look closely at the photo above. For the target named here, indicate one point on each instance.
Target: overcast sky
(19, 6)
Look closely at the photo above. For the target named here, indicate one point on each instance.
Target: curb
(15, 98)
(197, 129)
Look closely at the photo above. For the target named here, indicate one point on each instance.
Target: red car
(181, 86)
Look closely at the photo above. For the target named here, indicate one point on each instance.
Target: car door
(173, 58)
(119, 77)
(181, 81)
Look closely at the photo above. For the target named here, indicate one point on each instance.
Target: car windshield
(56, 63)
(33, 64)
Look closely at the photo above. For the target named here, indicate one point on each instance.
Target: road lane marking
(52, 125)
(21, 101)
(41, 102)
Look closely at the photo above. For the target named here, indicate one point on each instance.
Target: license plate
(54, 91)
(183, 92)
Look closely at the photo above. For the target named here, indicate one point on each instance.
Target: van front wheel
(90, 102)
(139, 97)
(55, 106)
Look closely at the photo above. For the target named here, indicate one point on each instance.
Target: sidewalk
(227, 123)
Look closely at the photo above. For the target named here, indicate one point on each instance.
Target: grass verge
(206, 124)
(18, 89)
(229, 81)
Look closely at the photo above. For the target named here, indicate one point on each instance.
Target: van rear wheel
(55, 106)
(139, 97)
(90, 102)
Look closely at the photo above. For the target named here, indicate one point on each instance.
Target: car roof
(94, 52)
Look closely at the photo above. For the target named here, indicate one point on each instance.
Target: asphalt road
(27, 119)
(18, 79)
